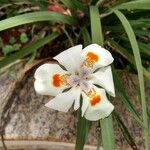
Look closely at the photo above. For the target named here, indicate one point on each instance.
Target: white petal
(85, 103)
(71, 58)
(43, 79)
(103, 56)
(103, 77)
(101, 109)
(64, 101)
(77, 98)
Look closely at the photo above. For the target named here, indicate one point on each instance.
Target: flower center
(81, 79)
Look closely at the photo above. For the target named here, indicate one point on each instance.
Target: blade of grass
(138, 62)
(35, 17)
(28, 50)
(107, 131)
(96, 28)
(86, 36)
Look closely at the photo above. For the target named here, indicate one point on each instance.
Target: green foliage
(107, 131)
(138, 62)
(83, 128)
(23, 38)
(7, 49)
(35, 17)
(121, 26)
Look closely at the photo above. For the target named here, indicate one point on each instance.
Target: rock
(29, 119)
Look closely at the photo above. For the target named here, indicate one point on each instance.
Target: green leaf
(138, 62)
(35, 17)
(86, 36)
(7, 49)
(23, 38)
(83, 128)
(96, 29)
(28, 50)
(107, 131)
(138, 4)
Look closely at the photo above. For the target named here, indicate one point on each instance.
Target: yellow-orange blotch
(96, 99)
(57, 80)
(92, 57)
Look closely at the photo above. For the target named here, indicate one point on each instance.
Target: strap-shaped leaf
(138, 62)
(96, 28)
(86, 36)
(83, 128)
(138, 4)
(35, 17)
(107, 131)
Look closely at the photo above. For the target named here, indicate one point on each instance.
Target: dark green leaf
(138, 62)
(35, 17)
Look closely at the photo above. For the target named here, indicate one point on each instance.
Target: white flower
(86, 76)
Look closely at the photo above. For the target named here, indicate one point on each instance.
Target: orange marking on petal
(92, 57)
(57, 80)
(96, 99)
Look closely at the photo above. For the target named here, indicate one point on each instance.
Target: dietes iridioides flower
(87, 74)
